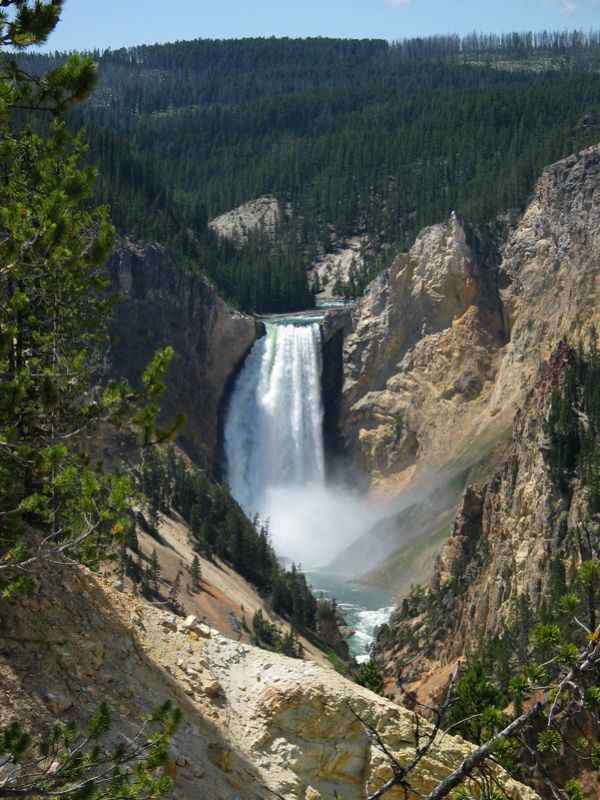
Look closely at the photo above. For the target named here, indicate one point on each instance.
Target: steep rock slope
(331, 270)
(444, 347)
(507, 540)
(224, 600)
(160, 306)
(421, 359)
(510, 531)
(256, 725)
(550, 271)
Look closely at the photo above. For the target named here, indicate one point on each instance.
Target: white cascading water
(273, 433)
(275, 468)
(274, 449)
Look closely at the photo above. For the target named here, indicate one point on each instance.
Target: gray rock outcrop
(163, 306)
(261, 214)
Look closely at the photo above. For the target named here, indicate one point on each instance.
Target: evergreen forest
(352, 137)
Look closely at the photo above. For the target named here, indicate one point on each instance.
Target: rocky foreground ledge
(256, 724)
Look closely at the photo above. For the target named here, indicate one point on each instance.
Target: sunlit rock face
(550, 272)
(511, 529)
(300, 725)
(255, 724)
(261, 214)
(444, 346)
(421, 356)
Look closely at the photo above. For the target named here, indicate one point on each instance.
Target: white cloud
(566, 7)
(395, 3)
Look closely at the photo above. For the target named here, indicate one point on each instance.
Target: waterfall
(274, 448)
(275, 466)
(273, 431)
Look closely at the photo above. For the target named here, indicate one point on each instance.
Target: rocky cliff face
(550, 271)
(161, 306)
(422, 356)
(335, 326)
(510, 533)
(444, 346)
(507, 541)
(255, 724)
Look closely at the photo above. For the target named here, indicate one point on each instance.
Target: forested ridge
(351, 136)
(220, 528)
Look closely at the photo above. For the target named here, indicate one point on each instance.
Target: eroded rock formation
(256, 724)
(422, 356)
(507, 540)
(511, 532)
(445, 346)
(163, 306)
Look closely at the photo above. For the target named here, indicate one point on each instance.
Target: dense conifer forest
(351, 136)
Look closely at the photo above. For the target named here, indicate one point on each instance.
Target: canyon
(421, 379)
(421, 383)
(445, 344)
(433, 444)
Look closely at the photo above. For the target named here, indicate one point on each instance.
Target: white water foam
(364, 623)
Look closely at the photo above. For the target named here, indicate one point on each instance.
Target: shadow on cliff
(79, 643)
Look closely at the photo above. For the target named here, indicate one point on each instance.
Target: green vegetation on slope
(55, 503)
(220, 527)
(573, 424)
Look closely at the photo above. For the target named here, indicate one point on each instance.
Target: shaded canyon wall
(162, 305)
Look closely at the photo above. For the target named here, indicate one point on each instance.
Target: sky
(89, 24)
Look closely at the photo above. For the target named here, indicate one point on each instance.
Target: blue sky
(117, 23)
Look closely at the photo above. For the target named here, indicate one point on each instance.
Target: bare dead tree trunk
(478, 756)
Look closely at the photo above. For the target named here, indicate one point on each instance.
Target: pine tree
(154, 570)
(153, 515)
(195, 572)
(89, 761)
(132, 539)
(54, 312)
(145, 585)
(175, 591)
(370, 676)
(475, 695)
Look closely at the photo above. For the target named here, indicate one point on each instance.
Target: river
(364, 607)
